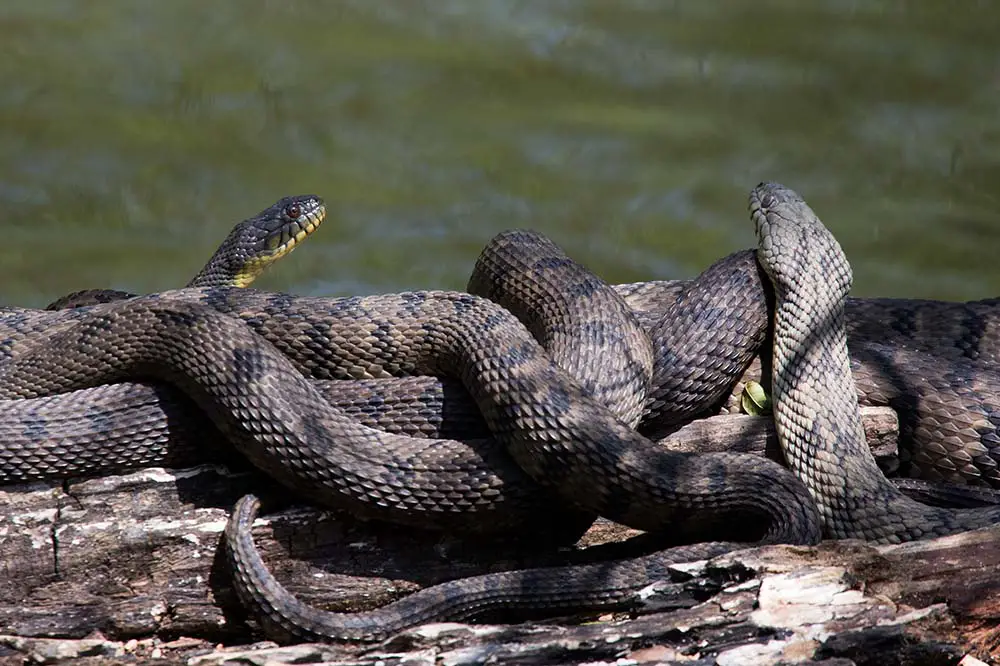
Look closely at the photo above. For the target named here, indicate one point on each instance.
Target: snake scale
(816, 411)
(946, 398)
(567, 443)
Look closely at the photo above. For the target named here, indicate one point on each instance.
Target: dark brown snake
(818, 419)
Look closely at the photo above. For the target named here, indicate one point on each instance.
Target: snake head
(793, 245)
(257, 242)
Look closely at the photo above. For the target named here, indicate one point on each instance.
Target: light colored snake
(816, 411)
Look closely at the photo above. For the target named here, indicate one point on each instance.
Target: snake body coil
(559, 430)
(945, 400)
(560, 435)
(819, 427)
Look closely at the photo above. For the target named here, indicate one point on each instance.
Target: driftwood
(751, 434)
(129, 567)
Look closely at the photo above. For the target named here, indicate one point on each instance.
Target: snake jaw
(259, 241)
(281, 240)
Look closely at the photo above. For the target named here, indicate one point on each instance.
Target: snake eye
(293, 211)
(768, 201)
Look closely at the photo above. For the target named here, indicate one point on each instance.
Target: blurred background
(133, 135)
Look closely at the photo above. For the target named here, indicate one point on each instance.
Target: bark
(129, 567)
(751, 434)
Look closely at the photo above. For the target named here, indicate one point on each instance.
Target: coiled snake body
(945, 399)
(818, 421)
(557, 432)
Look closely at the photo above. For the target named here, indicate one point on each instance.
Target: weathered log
(752, 434)
(130, 566)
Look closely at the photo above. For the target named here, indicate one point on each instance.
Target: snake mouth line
(290, 238)
(292, 234)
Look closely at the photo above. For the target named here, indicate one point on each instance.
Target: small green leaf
(755, 400)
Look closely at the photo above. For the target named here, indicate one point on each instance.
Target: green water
(134, 134)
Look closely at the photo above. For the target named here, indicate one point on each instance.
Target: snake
(94, 431)
(558, 438)
(250, 306)
(602, 586)
(572, 437)
(816, 412)
(250, 247)
(947, 428)
(817, 418)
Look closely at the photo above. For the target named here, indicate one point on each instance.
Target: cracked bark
(130, 566)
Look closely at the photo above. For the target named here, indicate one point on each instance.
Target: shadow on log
(129, 567)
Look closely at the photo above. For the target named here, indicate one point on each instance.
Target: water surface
(134, 135)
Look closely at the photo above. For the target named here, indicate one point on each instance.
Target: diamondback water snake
(946, 400)
(816, 411)
(258, 309)
(818, 421)
(612, 585)
(251, 246)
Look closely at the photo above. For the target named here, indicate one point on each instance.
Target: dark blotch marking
(413, 302)
(280, 302)
(586, 287)
(494, 320)
(973, 333)
(217, 298)
(249, 363)
(554, 263)
(35, 430)
(178, 317)
(518, 354)
(559, 401)
(92, 330)
(466, 303)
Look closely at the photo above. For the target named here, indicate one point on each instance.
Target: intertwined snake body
(930, 362)
(818, 420)
(560, 433)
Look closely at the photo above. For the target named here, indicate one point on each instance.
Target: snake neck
(819, 428)
(822, 437)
